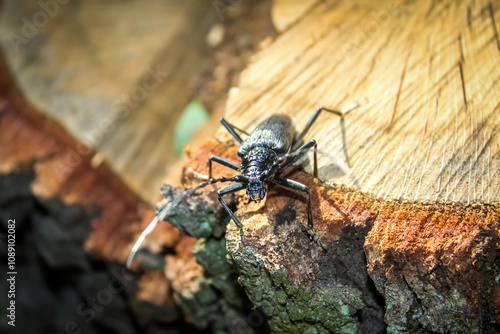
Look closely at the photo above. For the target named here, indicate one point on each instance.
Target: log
(416, 247)
(389, 266)
(424, 75)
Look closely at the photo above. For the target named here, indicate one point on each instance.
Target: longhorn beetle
(271, 148)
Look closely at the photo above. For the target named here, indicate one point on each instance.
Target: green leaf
(192, 118)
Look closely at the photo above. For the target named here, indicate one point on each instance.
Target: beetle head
(256, 190)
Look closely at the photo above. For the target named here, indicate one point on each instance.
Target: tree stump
(414, 248)
(410, 266)
(424, 76)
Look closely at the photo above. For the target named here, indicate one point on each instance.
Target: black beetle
(270, 149)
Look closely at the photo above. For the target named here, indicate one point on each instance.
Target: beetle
(271, 148)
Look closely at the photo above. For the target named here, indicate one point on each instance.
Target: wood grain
(116, 74)
(288, 12)
(426, 75)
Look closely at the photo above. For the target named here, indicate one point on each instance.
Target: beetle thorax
(258, 166)
(257, 161)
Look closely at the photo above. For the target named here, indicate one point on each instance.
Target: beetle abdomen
(275, 133)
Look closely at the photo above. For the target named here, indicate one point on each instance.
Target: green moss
(424, 315)
(293, 309)
(211, 255)
(195, 216)
(219, 304)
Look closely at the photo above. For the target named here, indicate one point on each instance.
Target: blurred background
(98, 99)
(132, 80)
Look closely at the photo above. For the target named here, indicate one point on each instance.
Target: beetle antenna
(166, 210)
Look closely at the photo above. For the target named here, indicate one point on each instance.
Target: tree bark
(416, 246)
(407, 266)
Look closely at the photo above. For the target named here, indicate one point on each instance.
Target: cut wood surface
(116, 75)
(84, 69)
(425, 75)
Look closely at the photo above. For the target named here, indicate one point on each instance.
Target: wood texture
(288, 12)
(74, 222)
(434, 266)
(425, 73)
(116, 75)
(426, 76)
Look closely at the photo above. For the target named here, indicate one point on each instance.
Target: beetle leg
(315, 116)
(299, 153)
(231, 129)
(221, 161)
(287, 183)
(227, 190)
